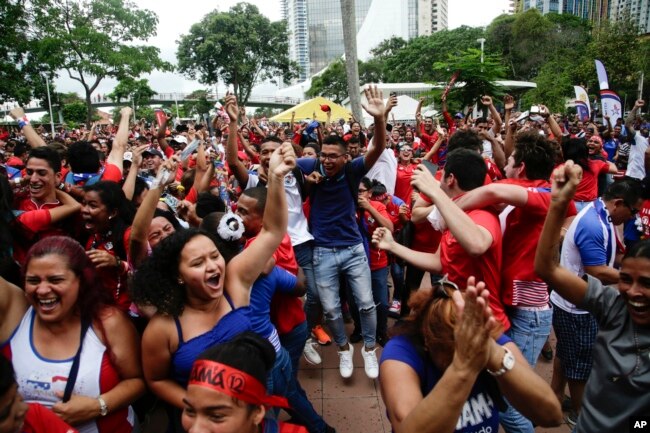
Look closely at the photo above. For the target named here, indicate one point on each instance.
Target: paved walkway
(354, 405)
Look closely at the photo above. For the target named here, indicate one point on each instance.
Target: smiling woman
(63, 309)
(186, 278)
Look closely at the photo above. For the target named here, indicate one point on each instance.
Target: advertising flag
(602, 75)
(611, 104)
(582, 103)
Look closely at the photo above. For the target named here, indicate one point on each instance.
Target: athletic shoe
(395, 308)
(572, 419)
(547, 353)
(370, 364)
(310, 354)
(321, 336)
(346, 365)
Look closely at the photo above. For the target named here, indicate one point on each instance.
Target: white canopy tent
(404, 112)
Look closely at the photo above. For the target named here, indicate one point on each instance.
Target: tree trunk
(351, 63)
(89, 104)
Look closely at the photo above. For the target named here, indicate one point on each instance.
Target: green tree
(332, 82)
(198, 103)
(97, 39)
(20, 71)
(414, 62)
(137, 92)
(240, 48)
(475, 80)
(554, 86)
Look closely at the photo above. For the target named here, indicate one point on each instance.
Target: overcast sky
(175, 20)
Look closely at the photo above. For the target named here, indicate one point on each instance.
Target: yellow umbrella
(312, 110)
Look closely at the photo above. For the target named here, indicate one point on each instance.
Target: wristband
(22, 122)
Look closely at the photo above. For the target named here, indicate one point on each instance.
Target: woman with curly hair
(63, 309)
(186, 279)
(107, 216)
(446, 366)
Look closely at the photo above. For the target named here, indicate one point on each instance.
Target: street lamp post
(482, 42)
(49, 104)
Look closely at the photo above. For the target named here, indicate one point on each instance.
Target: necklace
(637, 364)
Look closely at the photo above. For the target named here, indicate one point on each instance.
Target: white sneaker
(310, 354)
(370, 364)
(346, 366)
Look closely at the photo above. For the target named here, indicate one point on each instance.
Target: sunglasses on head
(439, 289)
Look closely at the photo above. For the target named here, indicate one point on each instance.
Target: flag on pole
(602, 75)
(611, 104)
(582, 103)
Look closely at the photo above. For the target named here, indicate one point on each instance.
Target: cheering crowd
(193, 265)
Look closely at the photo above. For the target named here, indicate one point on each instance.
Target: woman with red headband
(226, 392)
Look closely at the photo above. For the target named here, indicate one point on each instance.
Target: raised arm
(236, 166)
(571, 287)
(631, 117)
(496, 128)
(375, 107)
(244, 269)
(474, 239)
(121, 139)
(161, 136)
(383, 239)
(138, 242)
(13, 305)
(33, 138)
(136, 161)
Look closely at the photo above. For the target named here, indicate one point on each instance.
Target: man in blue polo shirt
(339, 247)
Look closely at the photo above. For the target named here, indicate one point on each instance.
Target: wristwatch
(103, 408)
(507, 363)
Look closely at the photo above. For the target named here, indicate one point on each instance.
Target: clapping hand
(474, 325)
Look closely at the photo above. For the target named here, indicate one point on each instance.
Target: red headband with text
(235, 383)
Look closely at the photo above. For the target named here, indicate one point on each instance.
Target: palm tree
(351, 63)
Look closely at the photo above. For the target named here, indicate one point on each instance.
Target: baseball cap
(179, 139)
(154, 152)
(128, 156)
(459, 116)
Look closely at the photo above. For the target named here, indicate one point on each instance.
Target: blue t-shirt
(263, 290)
(333, 208)
(479, 413)
(610, 147)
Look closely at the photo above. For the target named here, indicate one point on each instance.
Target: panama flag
(611, 104)
(582, 103)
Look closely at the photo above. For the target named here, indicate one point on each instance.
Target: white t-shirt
(297, 227)
(385, 169)
(636, 161)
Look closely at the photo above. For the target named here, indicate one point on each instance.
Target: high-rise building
(294, 13)
(637, 10)
(544, 6)
(316, 30)
(592, 10)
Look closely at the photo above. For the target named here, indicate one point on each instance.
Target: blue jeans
(282, 382)
(379, 279)
(353, 264)
(529, 331)
(304, 256)
(294, 342)
(397, 272)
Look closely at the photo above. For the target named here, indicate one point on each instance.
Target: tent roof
(311, 110)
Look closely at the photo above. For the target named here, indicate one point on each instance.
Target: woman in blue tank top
(187, 279)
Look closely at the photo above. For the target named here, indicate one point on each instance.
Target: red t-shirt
(644, 214)
(427, 141)
(459, 265)
(378, 258)
(286, 311)
(520, 284)
(403, 188)
(39, 419)
(115, 280)
(588, 187)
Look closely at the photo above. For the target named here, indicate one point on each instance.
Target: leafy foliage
(475, 80)
(96, 39)
(240, 47)
(136, 91)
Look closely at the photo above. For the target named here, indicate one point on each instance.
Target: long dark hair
(113, 198)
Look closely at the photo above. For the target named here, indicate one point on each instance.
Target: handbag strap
(74, 370)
